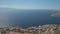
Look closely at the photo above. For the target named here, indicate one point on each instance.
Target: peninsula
(56, 14)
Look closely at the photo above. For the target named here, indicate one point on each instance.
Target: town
(41, 29)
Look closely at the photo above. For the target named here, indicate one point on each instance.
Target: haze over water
(27, 13)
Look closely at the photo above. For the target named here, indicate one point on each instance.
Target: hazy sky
(30, 4)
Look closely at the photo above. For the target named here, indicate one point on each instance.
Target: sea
(28, 18)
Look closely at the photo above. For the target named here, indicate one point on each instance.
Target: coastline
(31, 30)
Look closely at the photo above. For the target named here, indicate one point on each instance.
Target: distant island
(56, 14)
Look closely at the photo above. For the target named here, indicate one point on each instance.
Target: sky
(30, 4)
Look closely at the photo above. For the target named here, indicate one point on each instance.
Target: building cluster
(44, 29)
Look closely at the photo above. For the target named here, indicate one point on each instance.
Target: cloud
(29, 7)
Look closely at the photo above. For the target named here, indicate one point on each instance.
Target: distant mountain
(6, 9)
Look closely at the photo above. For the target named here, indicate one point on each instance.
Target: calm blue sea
(27, 18)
